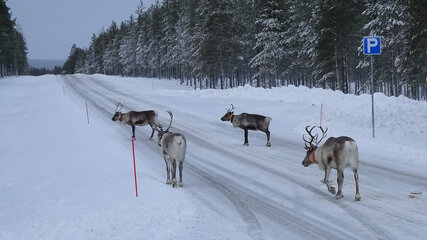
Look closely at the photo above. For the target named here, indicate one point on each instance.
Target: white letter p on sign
(372, 42)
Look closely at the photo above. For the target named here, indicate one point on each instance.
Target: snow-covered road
(268, 188)
(232, 191)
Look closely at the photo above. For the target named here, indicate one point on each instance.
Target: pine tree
(244, 18)
(336, 26)
(127, 50)
(388, 20)
(414, 65)
(169, 45)
(13, 49)
(111, 58)
(89, 63)
(269, 42)
(216, 45)
(154, 39)
(71, 65)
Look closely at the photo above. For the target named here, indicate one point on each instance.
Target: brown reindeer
(247, 122)
(338, 153)
(134, 118)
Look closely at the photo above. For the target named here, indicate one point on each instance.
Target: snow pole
(87, 113)
(321, 112)
(134, 167)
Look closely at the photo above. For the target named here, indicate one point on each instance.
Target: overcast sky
(50, 27)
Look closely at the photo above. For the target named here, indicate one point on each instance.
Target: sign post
(372, 46)
(87, 113)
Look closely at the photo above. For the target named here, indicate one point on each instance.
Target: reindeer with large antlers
(247, 122)
(338, 153)
(134, 118)
(173, 147)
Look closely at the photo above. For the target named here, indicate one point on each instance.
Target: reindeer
(173, 150)
(247, 122)
(133, 119)
(337, 153)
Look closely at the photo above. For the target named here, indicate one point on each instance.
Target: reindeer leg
(152, 133)
(340, 180)
(168, 180)
(181, 166)
(173, 173)
(133, 131)
(246, 143)
(268, 138)
(326, 180)
(356, 178)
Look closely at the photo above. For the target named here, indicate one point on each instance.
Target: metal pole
(372, 95)
(87, 113)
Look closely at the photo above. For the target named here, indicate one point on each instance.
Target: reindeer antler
(323, 135)
(170, 124)
(231, 109)
(119, 107)
(313, 138)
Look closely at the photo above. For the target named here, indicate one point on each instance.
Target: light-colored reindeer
(173, 147)
(338, 153)
(134, 118)
(247, 122)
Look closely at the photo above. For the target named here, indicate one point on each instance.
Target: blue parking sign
(371, 45)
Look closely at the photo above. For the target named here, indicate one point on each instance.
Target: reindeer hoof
(174, 183)
(338, 196)
(180, 184)
(168, 181)
(245, 144)
(269, 144)
(150, 138)
(357, 197)
(332, 190)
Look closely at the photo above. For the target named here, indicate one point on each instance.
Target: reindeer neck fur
(235, 120)
(124, 118)
(319, 157)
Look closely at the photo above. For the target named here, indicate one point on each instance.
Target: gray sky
(50, 27)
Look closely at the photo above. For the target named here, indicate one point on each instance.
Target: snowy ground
(62, 178)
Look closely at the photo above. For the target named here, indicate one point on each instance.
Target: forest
(228, 43)
(13, 48)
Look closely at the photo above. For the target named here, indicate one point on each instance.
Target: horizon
(49, 64)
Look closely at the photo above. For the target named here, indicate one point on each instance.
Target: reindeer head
(117, 113)
(311, 145)
(229, 115)
(161, 132)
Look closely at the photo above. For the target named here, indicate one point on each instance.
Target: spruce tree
(388, 20)
(269, 43)
(414, 65)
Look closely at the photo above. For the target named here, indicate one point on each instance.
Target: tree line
(13, 48)
(267, 43)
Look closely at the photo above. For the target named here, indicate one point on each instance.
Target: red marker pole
(134, 168)
(87, 113)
